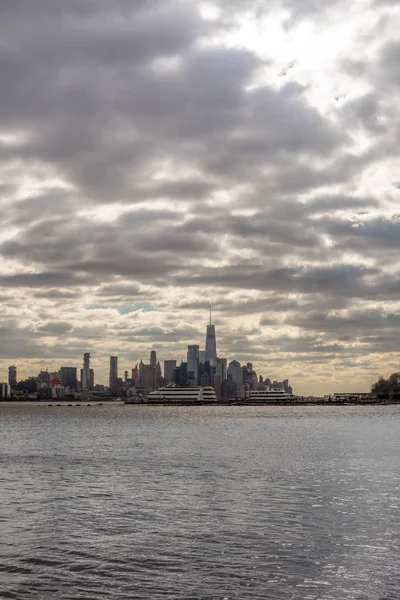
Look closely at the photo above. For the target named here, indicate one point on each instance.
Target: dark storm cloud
(388, 66)
(120, 289)
(302, 279)
(356, 321)
(55, 328)
(56, 294)
(200, 112)
(378, 233)
(36, 280)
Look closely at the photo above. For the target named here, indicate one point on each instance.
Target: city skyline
(160, 156)
(202, 368)
(106, 371)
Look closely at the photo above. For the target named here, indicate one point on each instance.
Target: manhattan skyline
(159, 156)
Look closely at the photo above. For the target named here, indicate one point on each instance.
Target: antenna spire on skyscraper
(210, 354)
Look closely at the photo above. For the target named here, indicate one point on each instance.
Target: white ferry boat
(270, 395)
(183, 394)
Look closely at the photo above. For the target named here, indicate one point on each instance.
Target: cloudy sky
(158, 155)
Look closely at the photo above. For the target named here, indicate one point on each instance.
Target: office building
(68, 377)
(183, 373)
(147, 376)
(211, 345)
(193, 364)
(153, 358)
(113, 378)
(12, 375)
(235, 371)
(4, 391)
(169, 368)
(221, 369)
(85, 372)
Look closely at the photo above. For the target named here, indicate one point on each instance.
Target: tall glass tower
(211, 344)
(113, 371)
(85, 372)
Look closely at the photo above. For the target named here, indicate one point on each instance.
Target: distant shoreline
(75, 403)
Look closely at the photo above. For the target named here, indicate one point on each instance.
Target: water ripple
(202, 503)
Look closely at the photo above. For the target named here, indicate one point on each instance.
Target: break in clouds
(158, 155)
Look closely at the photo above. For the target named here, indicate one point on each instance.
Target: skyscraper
(211, 345)
(235, 371)
(153, 358)
(12, 375)
(68, 377)
(221, 368)
(193, 364)
(85, 373)
(169, 368)
(113, 379)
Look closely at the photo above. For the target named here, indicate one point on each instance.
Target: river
(151, 502)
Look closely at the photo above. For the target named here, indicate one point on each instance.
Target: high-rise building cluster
(201, 368)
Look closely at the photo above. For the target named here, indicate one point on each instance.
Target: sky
(159, 155)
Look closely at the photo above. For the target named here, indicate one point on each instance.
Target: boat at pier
(182, 395)
(270, 395)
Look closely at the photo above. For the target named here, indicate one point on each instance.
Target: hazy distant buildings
(113, 377)
(12, 375)
(68, 377)
(153, 358)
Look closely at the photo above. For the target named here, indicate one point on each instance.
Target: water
(199, 503)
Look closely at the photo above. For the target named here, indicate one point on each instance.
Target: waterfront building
(113, 378)
(193, 364)
(68, 376)
(169, 368)
(4, 391)
(12, 375)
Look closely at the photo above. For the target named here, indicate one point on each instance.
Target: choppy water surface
(168, 502)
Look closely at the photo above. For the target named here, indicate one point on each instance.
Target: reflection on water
(210, 502)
